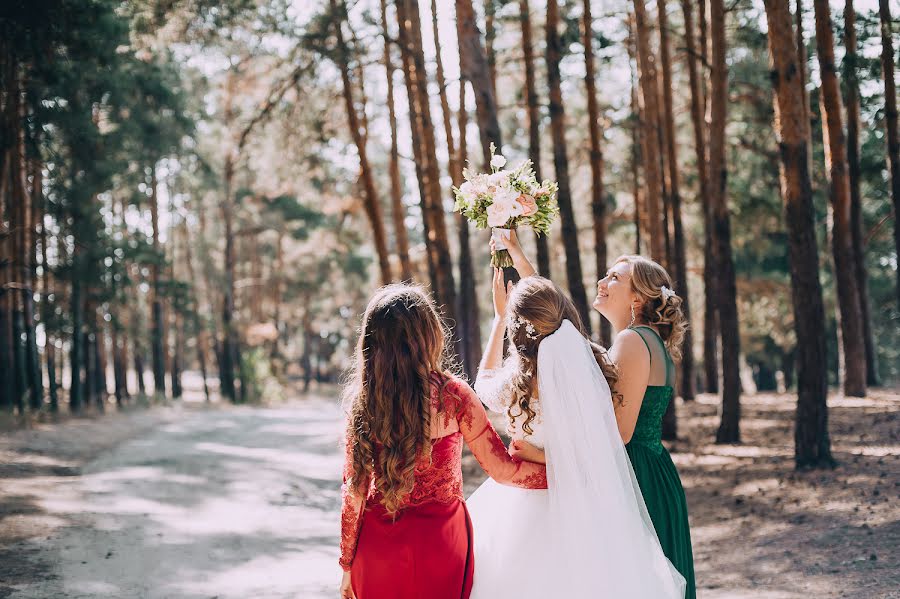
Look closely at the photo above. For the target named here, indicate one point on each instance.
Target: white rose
(498, 214)
(498, 161)
(504, 207)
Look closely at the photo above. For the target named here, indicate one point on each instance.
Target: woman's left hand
(346, 588)
(501, 293)
(527, 452)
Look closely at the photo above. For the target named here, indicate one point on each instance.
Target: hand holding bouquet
(506, 199)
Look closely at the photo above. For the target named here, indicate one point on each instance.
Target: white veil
(606, 540)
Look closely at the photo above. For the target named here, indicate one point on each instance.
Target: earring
(633, 316)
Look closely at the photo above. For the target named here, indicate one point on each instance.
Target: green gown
(655, 472)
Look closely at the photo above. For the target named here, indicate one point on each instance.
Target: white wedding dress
(588, 536)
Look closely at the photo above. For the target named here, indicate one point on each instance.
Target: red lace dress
(425, 551)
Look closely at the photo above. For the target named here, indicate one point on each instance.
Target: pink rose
(529, 206)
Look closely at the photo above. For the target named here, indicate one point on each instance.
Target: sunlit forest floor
(193, 501)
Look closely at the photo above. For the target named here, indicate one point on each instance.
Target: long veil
(607, 545)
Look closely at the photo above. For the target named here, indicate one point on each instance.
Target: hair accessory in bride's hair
(666, 292)
(530, 331)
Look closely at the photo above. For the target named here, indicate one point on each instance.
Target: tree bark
(890, 120)
(703, 189)
(415, 129)
(29, 366)
(851, 87)
(534, 124)
(635, 127)
(839, 192)
(802, 64)
(679, 257)
(711, 311)
(598, 199)
(726, 292)
(467, 309)
(561, 164)
(371, 202)
(433, 210)
(652, 145)
(474, 69)
(156, 328)
(490, 34)
(812, 445)
(398, 210)
(468, 298)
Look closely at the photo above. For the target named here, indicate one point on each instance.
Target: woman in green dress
(636, 297)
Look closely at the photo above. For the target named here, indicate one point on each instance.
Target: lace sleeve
(494, 385)
(352, 507)
(488, 448)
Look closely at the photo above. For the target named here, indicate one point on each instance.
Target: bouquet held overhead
(506, 199)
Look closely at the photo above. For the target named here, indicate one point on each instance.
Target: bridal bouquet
(504, 200)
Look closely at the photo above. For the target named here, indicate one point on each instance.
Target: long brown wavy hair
(543, 304)
(389, 392)
(657, 310)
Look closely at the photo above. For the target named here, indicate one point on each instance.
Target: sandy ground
(194, 502)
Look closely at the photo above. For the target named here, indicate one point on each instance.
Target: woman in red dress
(405, 531)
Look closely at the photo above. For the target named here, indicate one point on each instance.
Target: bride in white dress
(588, 535)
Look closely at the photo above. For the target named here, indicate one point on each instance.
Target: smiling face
(615, 294)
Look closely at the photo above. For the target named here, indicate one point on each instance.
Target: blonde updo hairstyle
(538, 302)
(664, 313)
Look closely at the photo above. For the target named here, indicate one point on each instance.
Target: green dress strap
(670, 366)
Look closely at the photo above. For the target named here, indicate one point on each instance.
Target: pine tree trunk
(490, 34)
(29, 367)
(802, 64)
(851, 87)
(468, 298)
(229, 359)
(534, 124)
(598, 199)
(888, 67)
(415, 129)
(561, 163)
(398, 210)
(711, 311)
(202, 341)
(726, 292)
(433, 210)
(474, 69)
(156, 327)
(679, 258)
(635, 127)
(50, 339)
(652, 144)
(703, 192)
(839, 192)
(102, 362)
(812, 445)
(371, 202)
(467, 310)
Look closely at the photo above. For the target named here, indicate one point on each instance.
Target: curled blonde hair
(544, 306)
(661, 310)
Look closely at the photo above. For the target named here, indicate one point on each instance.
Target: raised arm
(520, 261)
(487, 446)
(352, 506)
(632, 358)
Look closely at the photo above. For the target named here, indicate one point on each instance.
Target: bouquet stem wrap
(500, 258)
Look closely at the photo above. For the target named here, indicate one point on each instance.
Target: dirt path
(227, 503)
(243, 502)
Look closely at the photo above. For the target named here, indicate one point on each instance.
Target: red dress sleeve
(352, 507)
(488, 447)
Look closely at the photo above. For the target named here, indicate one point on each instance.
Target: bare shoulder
(629, 348)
